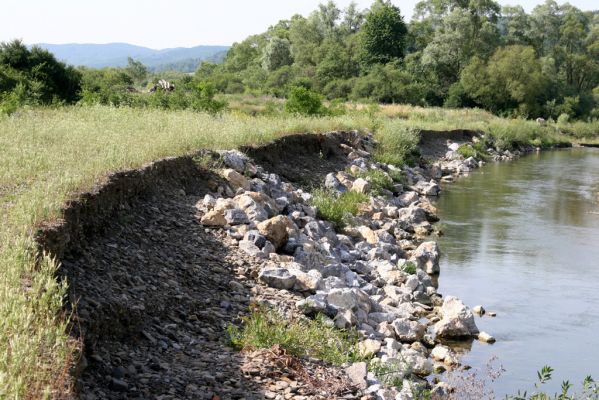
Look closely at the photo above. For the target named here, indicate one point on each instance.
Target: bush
(304, 102)
(336, 209)
(204, 99)
(467, 151)
(40, 76)
(317, 338)
(398, 144)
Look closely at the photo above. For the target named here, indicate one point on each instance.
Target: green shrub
(317, 338)
(398, 144)
(304, 102)
(336, 208)
(467, 151)
(204, 99)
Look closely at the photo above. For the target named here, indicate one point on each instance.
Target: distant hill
(185, 59)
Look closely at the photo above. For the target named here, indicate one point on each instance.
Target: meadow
(48, 155)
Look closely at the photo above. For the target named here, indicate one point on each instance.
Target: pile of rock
(378, 275)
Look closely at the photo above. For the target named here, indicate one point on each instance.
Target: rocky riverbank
(377, 275)
(155, 288)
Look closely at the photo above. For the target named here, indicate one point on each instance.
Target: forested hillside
(454, 53)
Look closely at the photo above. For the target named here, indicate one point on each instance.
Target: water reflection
(522, 238)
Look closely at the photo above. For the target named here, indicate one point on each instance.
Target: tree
(326, 18)
(38, 74)
(511, 80)
(455, 43)
(305, 38)
(136, 70)
(517, 25)
(276, 54)
(352, 18)
(383, 34)
(245, 54)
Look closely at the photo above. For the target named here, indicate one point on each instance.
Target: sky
(164, 24)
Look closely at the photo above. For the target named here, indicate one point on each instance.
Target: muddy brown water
(522, 239)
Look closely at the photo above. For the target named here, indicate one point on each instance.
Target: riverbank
(50, 155)
(375, 275)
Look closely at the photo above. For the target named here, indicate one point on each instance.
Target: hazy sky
(161, 24)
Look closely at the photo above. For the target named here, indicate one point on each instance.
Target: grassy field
(48, 155)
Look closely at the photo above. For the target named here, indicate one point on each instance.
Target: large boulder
(235, 160)
(236, 180)
(357, 374)
(214, 218)
(418, 363)
(275, 230)
(306, 281)
(411, 215)
(426, 257)
(408, 331)
(348, 299)
(278, 278)
(331, 182)
(430, 188)
(361, 186)
(368, 234)
(457, 322)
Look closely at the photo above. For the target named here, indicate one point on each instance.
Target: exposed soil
(152, 291)
(303, 159)
(433, 144)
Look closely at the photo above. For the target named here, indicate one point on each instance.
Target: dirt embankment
(433, 144)
(152, 291)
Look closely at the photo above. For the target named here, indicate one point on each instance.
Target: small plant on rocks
(590, 389)
(467, 151)
(409, 268)
(336, 208)
(265, 328)
(379, 180)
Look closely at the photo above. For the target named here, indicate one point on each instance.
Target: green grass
(49, 155)
(409, 268)
(336, 208)
(316, 338)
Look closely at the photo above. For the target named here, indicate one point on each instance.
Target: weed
(380, 181)
(264, 328)
(337, 208)
(590, 389)
(398, 144)
(409, 268)
(467, 151)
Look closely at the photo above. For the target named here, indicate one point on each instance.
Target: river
(522, 239)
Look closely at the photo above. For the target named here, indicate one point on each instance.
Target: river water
(522, 239)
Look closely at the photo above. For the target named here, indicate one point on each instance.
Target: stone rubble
(378, 275)
(156, 290)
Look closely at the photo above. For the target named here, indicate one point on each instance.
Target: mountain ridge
(115, 54)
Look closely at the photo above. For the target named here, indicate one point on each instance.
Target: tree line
(453, 53)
